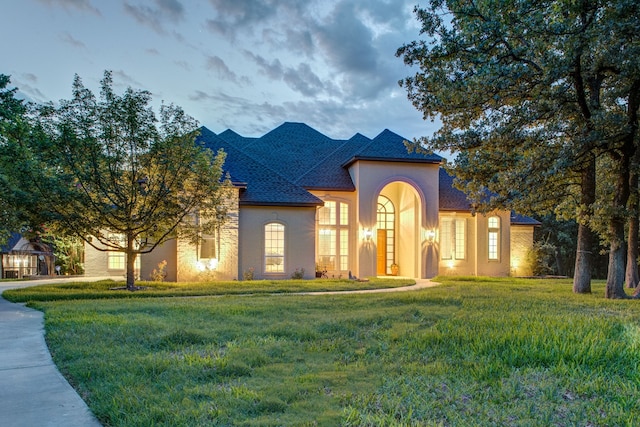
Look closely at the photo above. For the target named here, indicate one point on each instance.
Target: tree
(13, 126)
(531, 94)
(113, 175)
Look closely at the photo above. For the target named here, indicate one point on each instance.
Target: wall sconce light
(430, 235)
(367, 233)
(211, 265)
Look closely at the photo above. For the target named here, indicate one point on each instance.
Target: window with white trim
(118, 260)
(333, 236)
(453, 238)
(274, 248)
(493, 224)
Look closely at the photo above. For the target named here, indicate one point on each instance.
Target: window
(117, 260)
(386, 225)
(453, 238)
(494, 237)
(333, 236)
(274, 248)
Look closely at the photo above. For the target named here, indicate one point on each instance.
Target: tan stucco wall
(95, 263)
(460, 267)
(181, 255)
(418, 208)
(476, 262)
(521, 243)
(299, 249)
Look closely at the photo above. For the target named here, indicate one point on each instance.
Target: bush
(541, 258)
(298, 274)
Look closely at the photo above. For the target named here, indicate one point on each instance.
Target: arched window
(386, 238)
(274, 248)
(333, 236)
(493, 224)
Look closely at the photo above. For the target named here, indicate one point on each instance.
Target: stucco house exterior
(305, 201)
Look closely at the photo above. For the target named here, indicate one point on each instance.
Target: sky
(245, 65)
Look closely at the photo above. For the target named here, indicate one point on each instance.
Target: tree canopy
(531, 95)
(110, 172)
(12, 128)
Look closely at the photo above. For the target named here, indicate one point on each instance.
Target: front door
(382, 252)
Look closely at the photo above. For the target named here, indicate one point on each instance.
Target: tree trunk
(632, 277)
(586, 237)
(616, 269)
(131, 262)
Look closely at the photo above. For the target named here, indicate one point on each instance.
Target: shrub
(159, 274)
(298, 274)
(248, 274)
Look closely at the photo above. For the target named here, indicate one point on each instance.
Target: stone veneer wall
(521, 243)
(227, 257)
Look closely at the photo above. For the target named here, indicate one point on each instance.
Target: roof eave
(283, 204)
(389, 160)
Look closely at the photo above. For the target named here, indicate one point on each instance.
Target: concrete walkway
(32, 390)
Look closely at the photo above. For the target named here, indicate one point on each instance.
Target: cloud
(70, 40)
(156, 17)
(217, 65)
(234, 15)
(81, 5)
(300, 79)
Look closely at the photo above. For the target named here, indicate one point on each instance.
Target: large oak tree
(531, 94)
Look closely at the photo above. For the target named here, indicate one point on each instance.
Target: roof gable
(262, 185)
(391, 147)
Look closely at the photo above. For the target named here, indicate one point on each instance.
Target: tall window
(494, 237)
(333, 236)
(453, 238)
(116, 260)
(386, 224)
(274, 248)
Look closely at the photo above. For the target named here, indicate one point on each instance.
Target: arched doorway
(398, 230)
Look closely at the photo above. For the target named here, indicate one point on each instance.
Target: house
(22, 257)
(362, 206)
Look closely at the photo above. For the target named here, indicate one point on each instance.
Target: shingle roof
(451, 199)
(263, 185)
(517, 219)
(13, 240)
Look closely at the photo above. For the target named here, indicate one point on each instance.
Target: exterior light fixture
(202, 266)
(430, 235)
(367, 233)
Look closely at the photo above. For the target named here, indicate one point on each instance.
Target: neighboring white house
(306, 201)
(22, 257)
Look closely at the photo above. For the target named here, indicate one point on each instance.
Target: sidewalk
(32, 390)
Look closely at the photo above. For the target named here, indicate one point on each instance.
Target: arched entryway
(398, 230)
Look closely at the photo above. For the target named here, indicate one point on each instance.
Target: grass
(469, 352)
(104, 289)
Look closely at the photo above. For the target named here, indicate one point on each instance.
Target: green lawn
(468, 352)
(108, 289)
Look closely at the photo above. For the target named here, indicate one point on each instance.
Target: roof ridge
(245, 154)
(317, 165)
